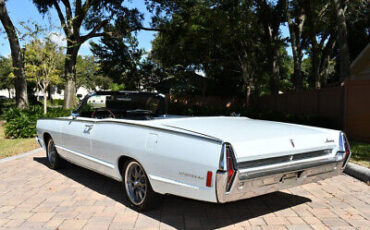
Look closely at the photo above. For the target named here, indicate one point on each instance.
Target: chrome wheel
(136, 183)
(52, 152)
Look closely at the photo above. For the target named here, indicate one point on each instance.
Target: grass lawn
(360, 153)
(10, 147)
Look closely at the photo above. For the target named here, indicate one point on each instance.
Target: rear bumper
(249, 183)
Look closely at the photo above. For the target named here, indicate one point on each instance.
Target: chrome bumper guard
(251, 182)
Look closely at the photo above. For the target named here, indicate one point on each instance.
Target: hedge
(22, 123)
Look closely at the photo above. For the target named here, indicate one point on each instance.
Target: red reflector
(209, 179)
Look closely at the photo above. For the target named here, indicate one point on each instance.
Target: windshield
(131, 105)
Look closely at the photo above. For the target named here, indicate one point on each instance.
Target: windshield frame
(161, 109)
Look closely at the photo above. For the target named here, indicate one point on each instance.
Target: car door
(76, 144)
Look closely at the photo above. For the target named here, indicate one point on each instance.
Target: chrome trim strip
(191, 131)
(244, 174)
(119, 121)
(284, 159)
(285, 153)
(109, 165)
(173, 182)
(264, 168)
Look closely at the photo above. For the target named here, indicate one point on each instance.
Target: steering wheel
(102, 109)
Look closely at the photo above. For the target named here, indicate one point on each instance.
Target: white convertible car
(129, 137)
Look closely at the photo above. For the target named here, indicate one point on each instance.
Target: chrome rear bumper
(250, 183)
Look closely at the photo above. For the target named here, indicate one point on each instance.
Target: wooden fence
(343, 107)
(327, 103)
(357, 109)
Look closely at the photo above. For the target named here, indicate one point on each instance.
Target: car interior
(122, 105)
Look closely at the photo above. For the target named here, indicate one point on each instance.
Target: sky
(25, 11)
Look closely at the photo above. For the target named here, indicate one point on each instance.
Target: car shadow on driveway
(182, 213)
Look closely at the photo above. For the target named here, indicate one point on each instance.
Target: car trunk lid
(257, 139)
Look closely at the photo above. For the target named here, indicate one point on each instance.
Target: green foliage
(87, 73)
(235, 42)
(5, 104)
(56, 102)
(22, 123)
(42, 60)
(222, 39)
(358, 21)
(119, 59)
(360, 153)
(6, 75)
(117, 87)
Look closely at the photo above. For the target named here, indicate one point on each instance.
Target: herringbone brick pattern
(34, 197)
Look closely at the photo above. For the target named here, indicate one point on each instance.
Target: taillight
(229, 167)
(347, 149)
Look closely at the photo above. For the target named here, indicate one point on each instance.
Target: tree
(17, 60)
(343, 56)
(42, 60)
(6, 73)
(92, 16)
(272, 16)
(223, 39)
(119, 59)
(357, 21)
(86, 71)
(296, 18)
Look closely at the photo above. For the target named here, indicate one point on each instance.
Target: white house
(82, 92)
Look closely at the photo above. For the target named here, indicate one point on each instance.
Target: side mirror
(74, 115)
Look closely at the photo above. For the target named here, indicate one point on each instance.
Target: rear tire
(54, 160)
(137, 187)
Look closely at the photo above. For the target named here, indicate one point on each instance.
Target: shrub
(56, 102)
(22, 123)
(5, 104)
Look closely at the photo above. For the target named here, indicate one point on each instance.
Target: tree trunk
(70, 76)
(45, 100)
(17, 60)
(49, 94)
(275, 71)
(344, 63)
(249, 92)
(246, 80)
(297, 56)
(316, 68)
(315, 80)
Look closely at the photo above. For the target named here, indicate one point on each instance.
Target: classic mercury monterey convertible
(129, 137)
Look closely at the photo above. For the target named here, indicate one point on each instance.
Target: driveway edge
(21, 155)
(358, 172)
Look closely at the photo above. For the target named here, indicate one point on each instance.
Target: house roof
(360, 67)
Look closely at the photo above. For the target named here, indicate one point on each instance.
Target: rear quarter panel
(175, 163)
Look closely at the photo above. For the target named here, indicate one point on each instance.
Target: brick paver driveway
(33, 196)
